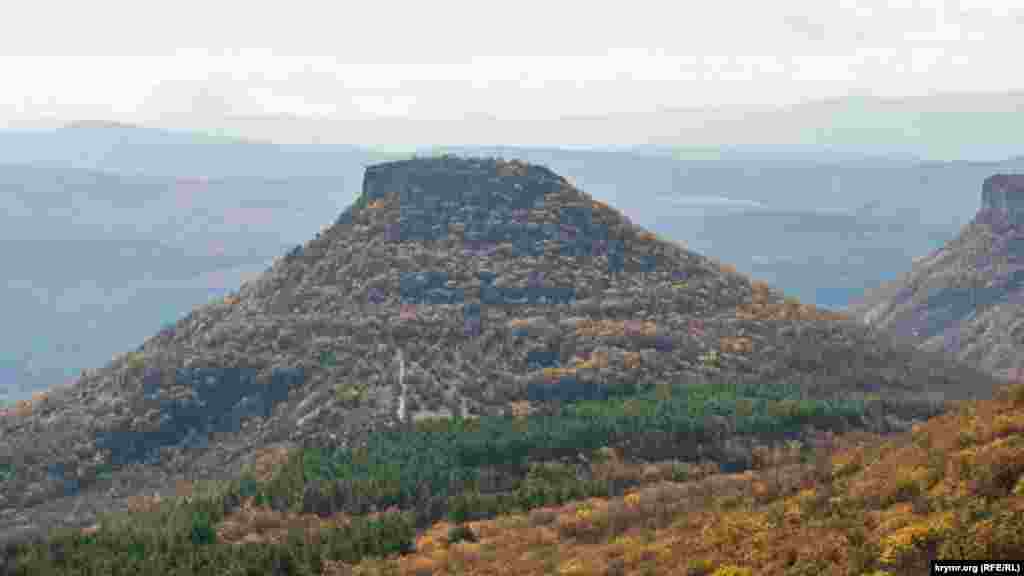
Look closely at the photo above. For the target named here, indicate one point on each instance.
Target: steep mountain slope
(951, 489)
(965, 298)
(452, 286)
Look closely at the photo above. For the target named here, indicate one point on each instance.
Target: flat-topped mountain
(965, 298)
(452, 286)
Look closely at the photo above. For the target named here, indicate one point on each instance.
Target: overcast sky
(136, 61)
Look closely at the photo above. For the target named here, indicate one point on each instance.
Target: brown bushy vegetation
(852, 504)
(760, 307)
(856, 504)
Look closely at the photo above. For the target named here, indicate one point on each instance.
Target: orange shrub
(759, 287)
(585, 523)
(521, 409)
(1008, 424)
(143, 503)
(736, 345)
(422, 566)
(1015, 394)
(997, 467)
(267, 461)
(732, 571)
(23, 408)
(600, 328)
(542, 516)
(183, 489)
(556, 373)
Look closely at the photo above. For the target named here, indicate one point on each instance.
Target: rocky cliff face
(452, 286)
(1004, 193)
(966, 298)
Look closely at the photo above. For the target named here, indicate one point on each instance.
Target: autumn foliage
(858, 503)
(762, 306)
(861, 504)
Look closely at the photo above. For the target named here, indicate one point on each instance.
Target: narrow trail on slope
(401, 382)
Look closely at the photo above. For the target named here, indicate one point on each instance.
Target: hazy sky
(137, 61)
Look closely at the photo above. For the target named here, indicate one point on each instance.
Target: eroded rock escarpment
(967, 298)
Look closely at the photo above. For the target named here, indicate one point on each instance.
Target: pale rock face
(1004, 193)
(875, 313)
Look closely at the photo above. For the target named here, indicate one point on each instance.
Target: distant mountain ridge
(963, 126)
(122, 148)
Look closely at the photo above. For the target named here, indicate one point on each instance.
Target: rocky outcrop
(1004, 193)
(965, 299)
(451, 286)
